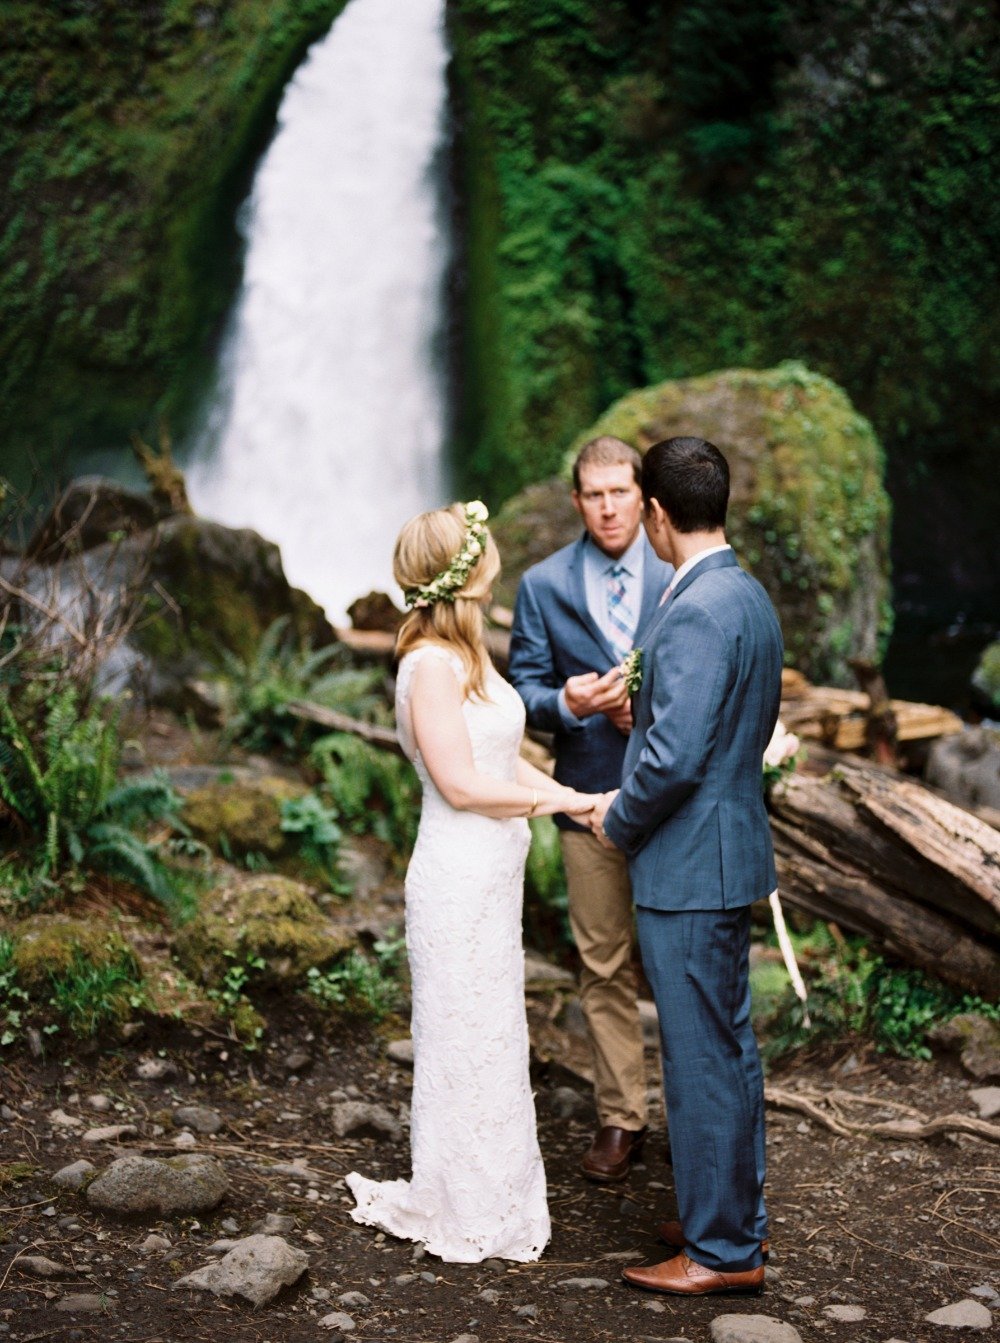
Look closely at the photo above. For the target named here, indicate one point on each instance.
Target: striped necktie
(621, 619)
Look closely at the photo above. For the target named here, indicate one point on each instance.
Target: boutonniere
(631, 670)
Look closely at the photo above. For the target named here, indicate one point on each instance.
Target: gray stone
(355, 1299)
(986, 1100)
(255, 1268)
(567, 1103)
(984, 1290)
(404, 1279)
(83, 1303)
(37, 1266)
(752, 1329)
(74, 1176)
(401, 1051)
(60, 1119)
(337, 1319)
(185, 1142)
(966, 767)
(526, 1312)
(275, 1224)
(156, 1070)
(976, 1039)
(584, 1284)
(363, 1118)
(154, 1244)
(657, 1307)
(134, 1185)
(297, 1061)
(230, 1226)
(847, 1314)
(490, 1295)
(110, 1133)
(428, 1276)
(965, 1314)
(466, 1338)
(198, 1117)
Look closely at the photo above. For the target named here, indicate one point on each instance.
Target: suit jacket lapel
(578, 597)
(722, 559)
(653, 583)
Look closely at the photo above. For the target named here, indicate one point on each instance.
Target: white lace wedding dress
(478, 1185)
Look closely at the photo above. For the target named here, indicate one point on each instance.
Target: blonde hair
(426, 546)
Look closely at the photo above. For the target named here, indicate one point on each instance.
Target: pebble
(62, 1120)
(490, 1295)
(986, 1100)
(356, 1299)
(83, 1303)
(526, 1312)
(39, 1267)
(297, 1061)
(257, 1268)
(275, 1224)
(184, 1142)
(966, 1314)
(156, 1070)
(230, 1226)
(657, 1307)
(199, 1117)
(7, 1113)
(466, 1338)
(987, 1292)
(154, 1244)
(584, 1284)
(320, 1293)
(404, 1279)
(337, 1319)
(400, 1051)
(427, 1276)
(804, 1301)
(752, 1329)
(74, 1176)
(364, 1117)
(98, 1102)
(566, 1103)
(846, 1314)
(110, 1133)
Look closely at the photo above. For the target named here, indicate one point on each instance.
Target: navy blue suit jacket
(555, 637)
(690, 815)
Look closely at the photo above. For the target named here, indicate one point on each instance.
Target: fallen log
(881, 855)
(307, 712)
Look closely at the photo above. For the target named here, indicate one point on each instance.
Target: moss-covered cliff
(657, 189)
(126, 137)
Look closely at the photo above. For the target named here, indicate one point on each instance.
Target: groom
(690, 818)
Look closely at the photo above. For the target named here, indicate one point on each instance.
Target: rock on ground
(753, 1329)
(337, 1319)
(74, 1176)
(967, 1314)
(256, 1268)
(360, 1117)
(198, 1117)
(846, 1314)
(138, 1184)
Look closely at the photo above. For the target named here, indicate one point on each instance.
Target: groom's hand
(589, 694)
(596, 818)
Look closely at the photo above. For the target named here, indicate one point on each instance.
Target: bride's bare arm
(443, 741)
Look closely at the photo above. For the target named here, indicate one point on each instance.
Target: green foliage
(13, 997)
(852, 992)
(374, 792)
(231, 997)
(89, 997)
(986, 677)
(546, 907)
(316, 825)
(280, 672)
(655, 191)
(361, 985)
(126, 137)
(58, 777)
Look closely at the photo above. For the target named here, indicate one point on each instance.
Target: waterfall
(327, 429)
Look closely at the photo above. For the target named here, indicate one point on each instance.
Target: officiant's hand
(596, 817)
(589, 694)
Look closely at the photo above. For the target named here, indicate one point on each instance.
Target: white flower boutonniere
(781, 755)
(631, 670)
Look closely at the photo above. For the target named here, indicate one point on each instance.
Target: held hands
(577, 804)
(589, 694)
(596, 818)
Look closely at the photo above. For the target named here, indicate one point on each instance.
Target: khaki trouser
(600, 913)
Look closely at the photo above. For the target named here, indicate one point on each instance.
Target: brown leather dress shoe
(672, 1233)
(609, 1155)
(681, 1276)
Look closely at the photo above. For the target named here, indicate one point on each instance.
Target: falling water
(327, 430)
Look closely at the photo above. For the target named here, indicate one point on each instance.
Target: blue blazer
(690, 815)
(554, 637)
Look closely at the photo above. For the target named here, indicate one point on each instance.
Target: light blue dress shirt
(596, 567)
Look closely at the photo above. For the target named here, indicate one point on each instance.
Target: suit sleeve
(691, 675)
(532, 669)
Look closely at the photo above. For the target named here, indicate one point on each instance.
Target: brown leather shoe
(681, 1276)
(609, 1155)
(671, 1233)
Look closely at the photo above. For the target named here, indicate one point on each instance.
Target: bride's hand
(578, 804)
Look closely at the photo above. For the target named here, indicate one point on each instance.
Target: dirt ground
(899, 1228)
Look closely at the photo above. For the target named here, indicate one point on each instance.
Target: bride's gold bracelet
(534, 804)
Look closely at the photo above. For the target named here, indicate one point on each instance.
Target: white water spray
(328, 429)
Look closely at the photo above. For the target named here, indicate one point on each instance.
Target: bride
(478, 1185)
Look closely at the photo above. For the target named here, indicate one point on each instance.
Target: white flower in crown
(445, 586)
(476, 511)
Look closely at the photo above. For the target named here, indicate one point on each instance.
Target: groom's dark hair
(689, 479)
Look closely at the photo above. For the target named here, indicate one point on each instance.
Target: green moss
(126, 139)
(49, 946)
(266, 922)
(986, 677)
(245, 817)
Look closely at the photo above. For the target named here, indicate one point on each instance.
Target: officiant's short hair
(689, 479)
(606, 450)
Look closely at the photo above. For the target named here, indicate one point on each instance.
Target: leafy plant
(88, 996)
(277, 674)
(546, 906)
(316, 825)
(375, 792)
(58, 778)
(361, 985)
(13, 998)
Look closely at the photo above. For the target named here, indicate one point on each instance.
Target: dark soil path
(897, 1228)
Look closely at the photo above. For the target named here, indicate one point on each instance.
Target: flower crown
(445, 586)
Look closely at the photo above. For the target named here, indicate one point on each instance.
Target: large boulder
(243, 816)
(809, 512)
(266, 923)
(966, 767)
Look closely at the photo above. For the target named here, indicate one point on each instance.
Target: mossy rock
(809, 513)
(243, 817)
(47, 946)
(263, 917)
(986, 677)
